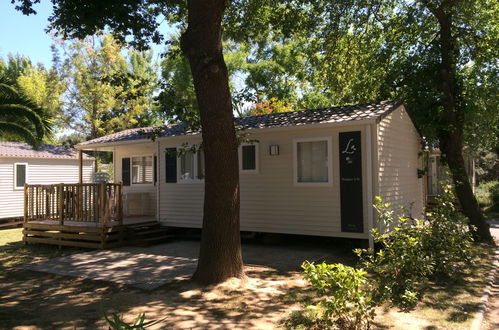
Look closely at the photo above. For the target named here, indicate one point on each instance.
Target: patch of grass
(448, 303)
(14, 252)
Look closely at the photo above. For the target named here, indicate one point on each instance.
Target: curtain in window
(142, 169)
(312, 161)
(187, 166)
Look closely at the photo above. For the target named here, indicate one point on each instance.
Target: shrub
(415, 250)
(448, 242)
(401, 264)
(346, 301)
(487, 194)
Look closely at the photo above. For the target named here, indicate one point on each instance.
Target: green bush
(487, 194)
(449, 242)
(346, 302)
(401, 265)
(416, 250)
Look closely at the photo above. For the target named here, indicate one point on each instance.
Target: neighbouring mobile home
(20, 164)
(310, 172)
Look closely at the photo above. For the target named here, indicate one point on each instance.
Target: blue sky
(26, 35)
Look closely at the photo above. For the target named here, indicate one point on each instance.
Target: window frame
(131, 170)
(16, 187)
(196, 163)
(257, 158)
(329, 148)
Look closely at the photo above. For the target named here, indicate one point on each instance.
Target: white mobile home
(20, 164)
(311, 172)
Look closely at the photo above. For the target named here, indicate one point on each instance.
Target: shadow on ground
(44, 300)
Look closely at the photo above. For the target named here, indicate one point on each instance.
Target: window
(248, 158)
(192, 166)
(313, 161)
(20, 175)
(142, 170)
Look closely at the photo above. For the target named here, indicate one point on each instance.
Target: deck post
(80, 167)
(61, 203)
(103, 213)
(25, 220)
(79, 194)
(26, 201)
(120, 203)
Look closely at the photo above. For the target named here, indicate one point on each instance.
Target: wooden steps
(146, 234)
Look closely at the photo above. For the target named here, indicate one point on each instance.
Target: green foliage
(43, 87)
(345, 300)
(116, 322)
(401, 265)
(20, 118)
(109, 92)
(487, 194)
(416, 250)
(449, 242)
(177, 98)
(487, 166)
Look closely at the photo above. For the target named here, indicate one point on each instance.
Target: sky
(26, 35)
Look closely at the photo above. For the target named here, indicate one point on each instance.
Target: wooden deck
(81, 215)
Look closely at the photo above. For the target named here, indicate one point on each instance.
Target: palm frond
(11, 130)
(19, 112)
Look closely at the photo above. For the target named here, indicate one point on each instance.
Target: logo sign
(352, 219)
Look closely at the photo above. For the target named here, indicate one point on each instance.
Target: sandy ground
(151, 267)
(491, 320)
(272, 289)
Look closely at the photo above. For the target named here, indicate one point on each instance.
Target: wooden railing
(88, 202)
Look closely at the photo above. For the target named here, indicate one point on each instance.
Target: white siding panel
(40, 171)
(399, 150)
(270, 201)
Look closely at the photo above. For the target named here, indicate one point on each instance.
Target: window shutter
(125, 171)
(249, 157)
(171, 164)
(155, 169)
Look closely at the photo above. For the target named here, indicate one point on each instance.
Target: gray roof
(24, 150)
(353, 112)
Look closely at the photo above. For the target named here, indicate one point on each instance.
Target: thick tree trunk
(220, 253)
(450, 132)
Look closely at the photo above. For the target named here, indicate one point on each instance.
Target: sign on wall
(351, 182)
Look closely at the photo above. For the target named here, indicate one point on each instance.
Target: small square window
(20, 175)
(248, 157)
(142, 170)
(313, 162)
(191, 166)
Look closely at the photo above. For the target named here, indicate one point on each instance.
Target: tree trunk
(450, 132)
(220, 252)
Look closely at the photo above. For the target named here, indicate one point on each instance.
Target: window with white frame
(313, 161)
(20, 175)
(248, 157)
(191, 166)
(142, 169)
